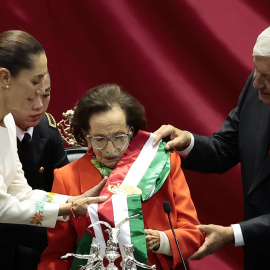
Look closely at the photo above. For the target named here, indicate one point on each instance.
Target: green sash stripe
(156, 174)
(137, 228)
(83, 248)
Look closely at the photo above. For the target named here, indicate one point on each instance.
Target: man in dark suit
(244, 137)
(40, 150)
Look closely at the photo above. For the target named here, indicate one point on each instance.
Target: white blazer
(18, 202)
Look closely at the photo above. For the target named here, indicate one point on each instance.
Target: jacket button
(41, 170)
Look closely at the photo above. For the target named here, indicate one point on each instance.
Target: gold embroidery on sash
(124, 189)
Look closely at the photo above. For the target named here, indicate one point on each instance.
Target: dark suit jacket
(39, 159)
(244, 137)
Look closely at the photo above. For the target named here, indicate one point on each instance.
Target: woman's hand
(93, 192)
(152, 239)
(80, 206)
(80, 203)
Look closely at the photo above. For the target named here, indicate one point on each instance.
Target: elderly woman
(110, 122)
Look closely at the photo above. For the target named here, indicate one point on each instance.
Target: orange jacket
(79, 176)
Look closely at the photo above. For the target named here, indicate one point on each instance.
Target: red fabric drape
(186, 61)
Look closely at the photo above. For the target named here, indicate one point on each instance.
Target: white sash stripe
(93, 213)
(141, 164)
(124, 236)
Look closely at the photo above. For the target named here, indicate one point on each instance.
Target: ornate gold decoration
(124, 189)
(64, 129)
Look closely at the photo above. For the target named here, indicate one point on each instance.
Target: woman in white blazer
(23, 64)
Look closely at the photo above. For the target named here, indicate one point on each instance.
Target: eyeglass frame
(111, 140)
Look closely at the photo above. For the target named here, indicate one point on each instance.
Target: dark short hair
(16, 49)
(104, 98)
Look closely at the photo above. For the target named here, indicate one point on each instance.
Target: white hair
(262, 46)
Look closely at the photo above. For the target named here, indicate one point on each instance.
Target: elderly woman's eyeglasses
(119, 141)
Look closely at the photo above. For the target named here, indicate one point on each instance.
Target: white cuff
(186, 152)
(164, 246)
(238, 236)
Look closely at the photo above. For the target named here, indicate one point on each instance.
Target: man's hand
(152, 239)
(177, 139)
(216, 237)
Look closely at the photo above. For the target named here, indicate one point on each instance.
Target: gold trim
(51, 120)
(64, 129)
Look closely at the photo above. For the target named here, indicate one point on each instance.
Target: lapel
(89, 175)
(39, 141)
(32, 153)
(262, 143)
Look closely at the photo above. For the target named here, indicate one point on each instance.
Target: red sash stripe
(124, 164)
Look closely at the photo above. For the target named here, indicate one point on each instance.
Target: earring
(89, 152)
(7, 86)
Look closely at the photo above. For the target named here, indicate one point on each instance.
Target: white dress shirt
(20, 133)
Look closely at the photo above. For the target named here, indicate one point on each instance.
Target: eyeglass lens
(118, 141)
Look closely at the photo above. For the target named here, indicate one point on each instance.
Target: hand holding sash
(93, 192)
(80, 206)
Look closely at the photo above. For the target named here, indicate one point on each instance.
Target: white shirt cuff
(186, 152)
(238, 236)
(164, 246)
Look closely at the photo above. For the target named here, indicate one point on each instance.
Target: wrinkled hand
(95, 191)
(177, 139)
(216, 237)
(152, 239)
(80, 205)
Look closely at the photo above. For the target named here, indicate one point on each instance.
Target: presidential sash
(138, 175)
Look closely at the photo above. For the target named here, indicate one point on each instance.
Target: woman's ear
(5, 77)
(88, 143)
(86, 139)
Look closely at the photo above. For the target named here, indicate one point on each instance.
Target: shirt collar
(20, 133)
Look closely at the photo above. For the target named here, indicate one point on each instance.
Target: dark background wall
(186, 61)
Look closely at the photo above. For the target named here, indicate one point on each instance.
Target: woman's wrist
(73, 213)
(75, 198)
(64, 209)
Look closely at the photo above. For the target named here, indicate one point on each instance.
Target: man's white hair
(262, 46)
